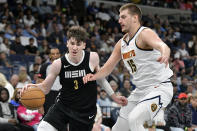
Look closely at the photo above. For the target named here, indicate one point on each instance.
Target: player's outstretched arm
(150, 38)
(46, 85)
(94, 65)
(108, 66)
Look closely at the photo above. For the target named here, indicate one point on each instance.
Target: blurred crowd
(29, 29)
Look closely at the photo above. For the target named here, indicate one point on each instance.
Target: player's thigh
(121, 124)
(155, 101)
(139, 114)
(75, 125)
(125, 110)
(43, 126)
(57, 118)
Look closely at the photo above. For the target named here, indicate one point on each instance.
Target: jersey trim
(142, 48)
(132, 37)
(70, 62)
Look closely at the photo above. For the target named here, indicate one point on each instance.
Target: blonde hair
(133, 9)
(3, 80)
(22, 77)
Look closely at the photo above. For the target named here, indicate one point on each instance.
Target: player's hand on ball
(120, 100)
(26, 88)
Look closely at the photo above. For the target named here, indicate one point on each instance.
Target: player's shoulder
(57, 61)
(147, 31)
(93, 54)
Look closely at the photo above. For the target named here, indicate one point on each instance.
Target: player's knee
(121, 125)
(132, 118)
(45, 125)
(115, 128)
(107, 129)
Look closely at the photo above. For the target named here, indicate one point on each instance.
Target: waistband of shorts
(167, 81)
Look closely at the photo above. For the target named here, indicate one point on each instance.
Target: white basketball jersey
(142, 64)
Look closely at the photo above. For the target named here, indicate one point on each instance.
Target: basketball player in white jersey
(146, 56)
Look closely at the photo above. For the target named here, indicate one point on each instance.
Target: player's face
(75, 48)
(54, 54)
(126, 20)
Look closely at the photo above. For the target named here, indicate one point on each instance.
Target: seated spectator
(31, 49)
(5, 46)
(177, 62)
(15, 98)
(193, 107)
(4, 83)
(29, 117)
(126, 89)
(37, 60)
(98, 126)
(3, 60)
(16, 47)
(23, 77)
(105, 103)
(14, 80)
(8, 116)
(34, 71)
(114, 85)
(179, 115)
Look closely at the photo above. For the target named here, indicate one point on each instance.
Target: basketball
(33, 98)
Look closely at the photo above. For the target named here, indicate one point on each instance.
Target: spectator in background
(4, 83)
(114, 85)
(183, 86)
(105, 103)
(31, 49)
(15, 98)
(29, 117)
(16, 47)
(115, 76)
(29, 19)
(56, 37)
(179, 115)
(4, 60)
(177, 62)
(5, 46)
(44, 48)
(34, 71)
(193, 107)
(98, 126)
(126, 89)
(23, 77)
(14, 80)
(37, 60)
(8, 116)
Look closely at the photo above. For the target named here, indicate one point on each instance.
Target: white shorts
(153, 98)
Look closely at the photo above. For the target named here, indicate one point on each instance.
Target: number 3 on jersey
(132, 65)
(76, 86)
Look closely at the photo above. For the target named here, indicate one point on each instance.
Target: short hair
(133, 9)
(31, 39)
(78, 33)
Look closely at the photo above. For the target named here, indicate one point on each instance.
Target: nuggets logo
(153, 107)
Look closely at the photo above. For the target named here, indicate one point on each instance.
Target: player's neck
(76, 59)
(133, 31)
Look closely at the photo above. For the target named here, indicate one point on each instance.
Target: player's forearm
(46, 85)
(105, 84)
(105, 70)
(165, 50)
